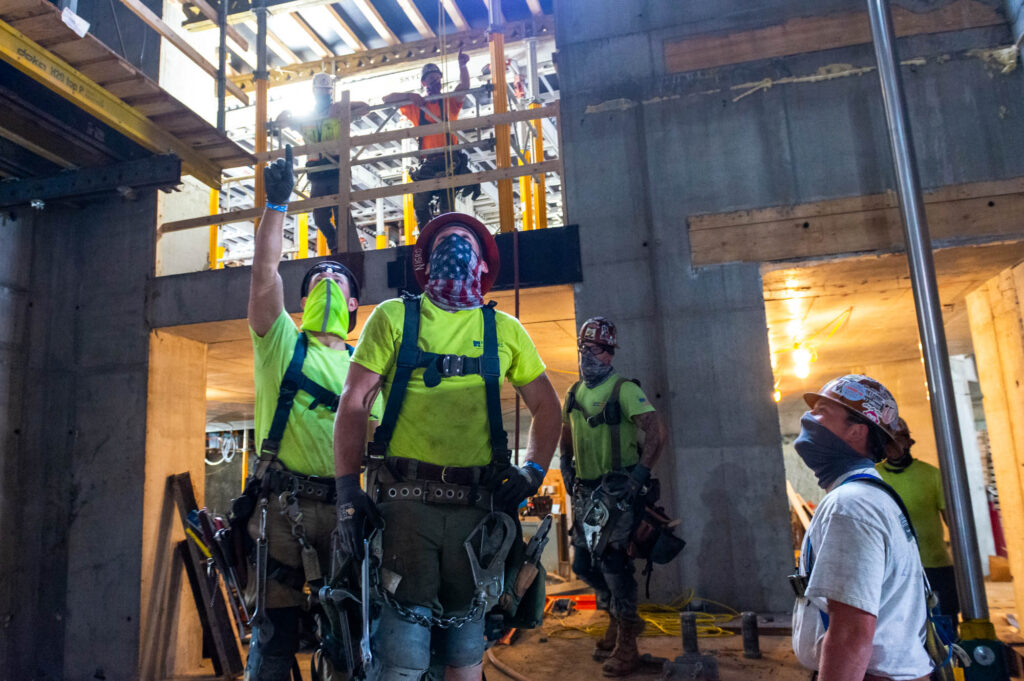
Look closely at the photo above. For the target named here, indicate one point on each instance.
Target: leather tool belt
(304, 486)
(431, 492)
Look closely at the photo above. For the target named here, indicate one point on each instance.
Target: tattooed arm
(655, 435)
(361, 388)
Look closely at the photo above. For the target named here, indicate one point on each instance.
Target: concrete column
(79, 458)
(963, 374)
(996, 315)
(171, 636)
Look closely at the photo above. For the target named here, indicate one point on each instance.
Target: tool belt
(402, 479)
(406, 469)
(310, 487)
(434, 493)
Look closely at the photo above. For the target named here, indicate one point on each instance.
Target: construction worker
(438, 470)
(860, 611)
(322, 126)
(299, 373)
(434, 160)
(605, 417)
(919, 484)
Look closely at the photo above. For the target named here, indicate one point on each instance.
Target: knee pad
(401, 647)
(461, 647)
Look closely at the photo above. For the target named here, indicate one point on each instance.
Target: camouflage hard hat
(863, 396)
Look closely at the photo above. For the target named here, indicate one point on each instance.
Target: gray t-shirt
(865, 557)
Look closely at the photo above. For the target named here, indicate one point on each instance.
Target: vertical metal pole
(222, 70)
(261, 77)
(969, 578)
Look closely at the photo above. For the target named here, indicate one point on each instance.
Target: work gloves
(568, 474)
(522, 482)
(356, 514)
(638, 477)
(278, 178)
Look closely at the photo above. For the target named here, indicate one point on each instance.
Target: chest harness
(610, 416)
(424, 120)
(417, 480)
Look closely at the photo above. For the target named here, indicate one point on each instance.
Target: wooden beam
(210, 13)
(318, 42)
(416, 18)
(346, 32)
(68, 82)
(452, 8)
(535, 8)
(276, 44)
(864, 223)
(377, 21)
(392, 57)
(417, 131)
(158, 25)
(21, 141)
(552, 166)
(814, 34)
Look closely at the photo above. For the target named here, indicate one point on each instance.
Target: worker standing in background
(860, 612)
(919, 484)
(299, 373)
(434, 160)
(439, 467)
(322, 126)
(605, 417)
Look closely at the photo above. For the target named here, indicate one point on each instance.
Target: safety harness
(423, 120)
(611, 416)
(438, 367)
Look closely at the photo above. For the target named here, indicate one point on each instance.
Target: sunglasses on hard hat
(592, 348)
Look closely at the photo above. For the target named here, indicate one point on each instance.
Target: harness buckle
(452, 365)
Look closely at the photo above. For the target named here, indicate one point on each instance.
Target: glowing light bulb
(802, 371)
(777, 396)
(802, 356)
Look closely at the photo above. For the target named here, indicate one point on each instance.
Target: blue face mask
(825, 453)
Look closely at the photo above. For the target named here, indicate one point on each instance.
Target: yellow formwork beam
(56, 74)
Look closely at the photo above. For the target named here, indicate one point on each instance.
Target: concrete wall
(77, 464)
(645, 149)
(1015, 11)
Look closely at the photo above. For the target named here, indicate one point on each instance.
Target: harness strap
(292, 382)
(438, 367)
(443, 105)
(611, 416)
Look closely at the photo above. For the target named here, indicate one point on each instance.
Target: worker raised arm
(266, 291)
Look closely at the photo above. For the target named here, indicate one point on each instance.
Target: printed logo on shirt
(642, 399)
(906, 527)
(480, 344)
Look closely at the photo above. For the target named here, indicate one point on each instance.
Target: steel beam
(59, 76)
(360, 62)
(156, 171)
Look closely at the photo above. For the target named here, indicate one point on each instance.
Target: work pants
(438, 165)
(943, 582)
(270, 657)
(611, 574)
(325, 183)
(425, 564)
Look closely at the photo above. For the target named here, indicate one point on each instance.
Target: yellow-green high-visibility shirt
(447, 424)
(920, 487)
(307, 445)
(592, 446)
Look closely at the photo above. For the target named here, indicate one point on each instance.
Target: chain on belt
(451, 622)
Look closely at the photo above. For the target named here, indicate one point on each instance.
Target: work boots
(625, 659)
(606, 644)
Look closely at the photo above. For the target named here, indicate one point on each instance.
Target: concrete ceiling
(546, 313)
(858, 312)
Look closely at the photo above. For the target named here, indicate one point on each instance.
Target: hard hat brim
(488, 247)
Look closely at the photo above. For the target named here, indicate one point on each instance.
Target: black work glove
(636, 481)
(522, 482)
(355, 514)
(568, 475)
(278, 178)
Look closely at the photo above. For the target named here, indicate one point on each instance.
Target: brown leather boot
(625, 658)
(604, 647)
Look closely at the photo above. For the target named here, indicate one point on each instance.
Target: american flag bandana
(454, 282)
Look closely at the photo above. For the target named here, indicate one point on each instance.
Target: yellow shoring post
(408, 215)
(526, 196)
(215, 263)
(321, 244)
(303, 235)
(502, 133)
(382, 229)
(540, 201)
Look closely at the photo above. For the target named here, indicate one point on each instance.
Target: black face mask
(825, 453)
(593, 370)
(899, 465)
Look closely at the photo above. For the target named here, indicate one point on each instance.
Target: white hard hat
(323, 81)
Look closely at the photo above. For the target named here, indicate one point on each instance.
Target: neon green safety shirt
(447, 424)
(920, 487)
(592, 446)
(307, 446)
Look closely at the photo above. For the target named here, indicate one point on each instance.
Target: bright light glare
(802, 370)
(802, 356)
(777, 396)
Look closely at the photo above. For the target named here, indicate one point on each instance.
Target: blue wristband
(279, 207)
(535, 466)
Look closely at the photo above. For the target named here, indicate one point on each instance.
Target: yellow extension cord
(662, 620)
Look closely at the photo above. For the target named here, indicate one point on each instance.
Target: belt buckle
(444, 472)
(451, 365)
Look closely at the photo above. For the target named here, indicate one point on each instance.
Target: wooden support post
(996, 315)
(344, 176)
(502, 133)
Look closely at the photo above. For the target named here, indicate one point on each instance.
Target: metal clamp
(452, 365)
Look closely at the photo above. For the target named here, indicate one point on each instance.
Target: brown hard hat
(598, 330)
